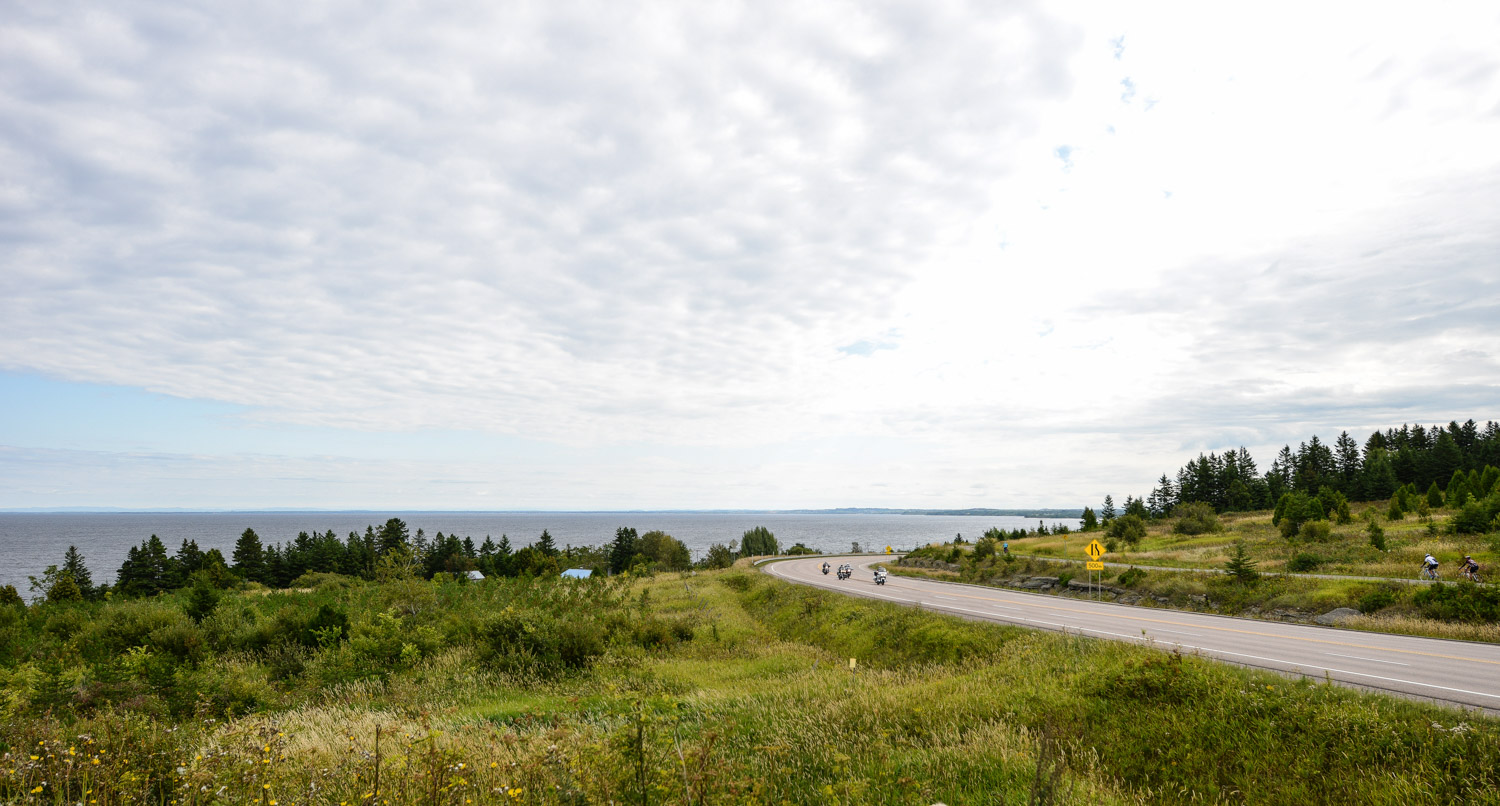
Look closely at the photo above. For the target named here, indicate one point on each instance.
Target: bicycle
(1472, 576)
(1429, 572)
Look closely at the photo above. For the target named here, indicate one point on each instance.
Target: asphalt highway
(1451, 672)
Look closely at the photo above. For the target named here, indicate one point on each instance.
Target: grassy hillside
(1462, 611)
(724, 687)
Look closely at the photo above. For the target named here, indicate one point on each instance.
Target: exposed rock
(924, 562)
(1198, 598)
(1337, 616)
(1039, 583)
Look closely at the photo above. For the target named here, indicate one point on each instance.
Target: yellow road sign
(1096, 566)
(888, 550)
(1095, 549)
(851, 663)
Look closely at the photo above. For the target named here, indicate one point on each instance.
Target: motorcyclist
(825, 568)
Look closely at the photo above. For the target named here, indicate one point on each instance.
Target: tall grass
(726, 687)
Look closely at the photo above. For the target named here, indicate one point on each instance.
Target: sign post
(1095, 550)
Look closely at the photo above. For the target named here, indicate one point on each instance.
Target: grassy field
(1347, 552)
(723, 687)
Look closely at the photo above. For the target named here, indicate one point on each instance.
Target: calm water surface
(30, 542)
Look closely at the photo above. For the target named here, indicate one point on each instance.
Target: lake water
(29, 542)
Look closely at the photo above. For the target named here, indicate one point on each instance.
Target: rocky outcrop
(925, 562)
(1337, 616)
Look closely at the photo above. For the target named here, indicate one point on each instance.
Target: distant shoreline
(978, 512)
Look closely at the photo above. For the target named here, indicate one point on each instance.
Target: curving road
(1451, 672)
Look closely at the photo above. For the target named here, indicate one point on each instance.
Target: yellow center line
(1227, 629)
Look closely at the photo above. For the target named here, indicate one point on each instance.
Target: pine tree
(1107, 512)
(73, 565)
(1458, 488)
(623, 550)
(249, 557)
(545, 545)
(1240, 566)
(393, 536)
(1346, 452)
(1434, 496)
(1090, 521)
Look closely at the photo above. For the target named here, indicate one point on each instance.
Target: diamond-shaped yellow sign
(1095, 549)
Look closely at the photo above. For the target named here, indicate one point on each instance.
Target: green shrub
(1315, 531)
(1196, 518)
(1131, 576)
(1296, 509)
(1377, 535)
(128, 624)
(323, 581)
(1129, 528)
(1462, 602)
(1376, 600)
(182, 640)
(1474, 517)
(1304, 561)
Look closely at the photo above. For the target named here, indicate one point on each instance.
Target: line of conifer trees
(388, 551)
(1409, 456)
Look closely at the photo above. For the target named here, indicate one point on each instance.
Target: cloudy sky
(478, 255)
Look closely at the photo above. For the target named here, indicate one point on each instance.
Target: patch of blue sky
(42, 412)
(868, 347)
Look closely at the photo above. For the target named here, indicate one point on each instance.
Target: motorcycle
(879, 577)
(845, 572)
(825, 569)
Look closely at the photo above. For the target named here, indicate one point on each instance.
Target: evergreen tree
(393, 536)
(187, 560)
(623, 550)
(1434, 496)
(504, 561)
(1445, 459)
(1090, 521)
(1240, 566)
(1240, 498)
(1107, 512)
(1458, 489)
(545, 545)
(74, 566)
(249, 557)
(1163, 497)
(758, 542)
(1346, 453)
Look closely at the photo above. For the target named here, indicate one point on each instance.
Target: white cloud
(995, 243)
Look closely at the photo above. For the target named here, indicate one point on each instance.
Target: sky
(557, 255)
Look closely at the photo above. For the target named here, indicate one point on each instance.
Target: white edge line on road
(1292, 664)
(1372, 660)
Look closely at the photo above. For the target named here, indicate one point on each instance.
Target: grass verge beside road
(724, 687)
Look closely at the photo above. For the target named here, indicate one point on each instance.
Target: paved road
(1451, 672)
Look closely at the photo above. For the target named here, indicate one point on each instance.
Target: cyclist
(1469, 569)
(1429, 567)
